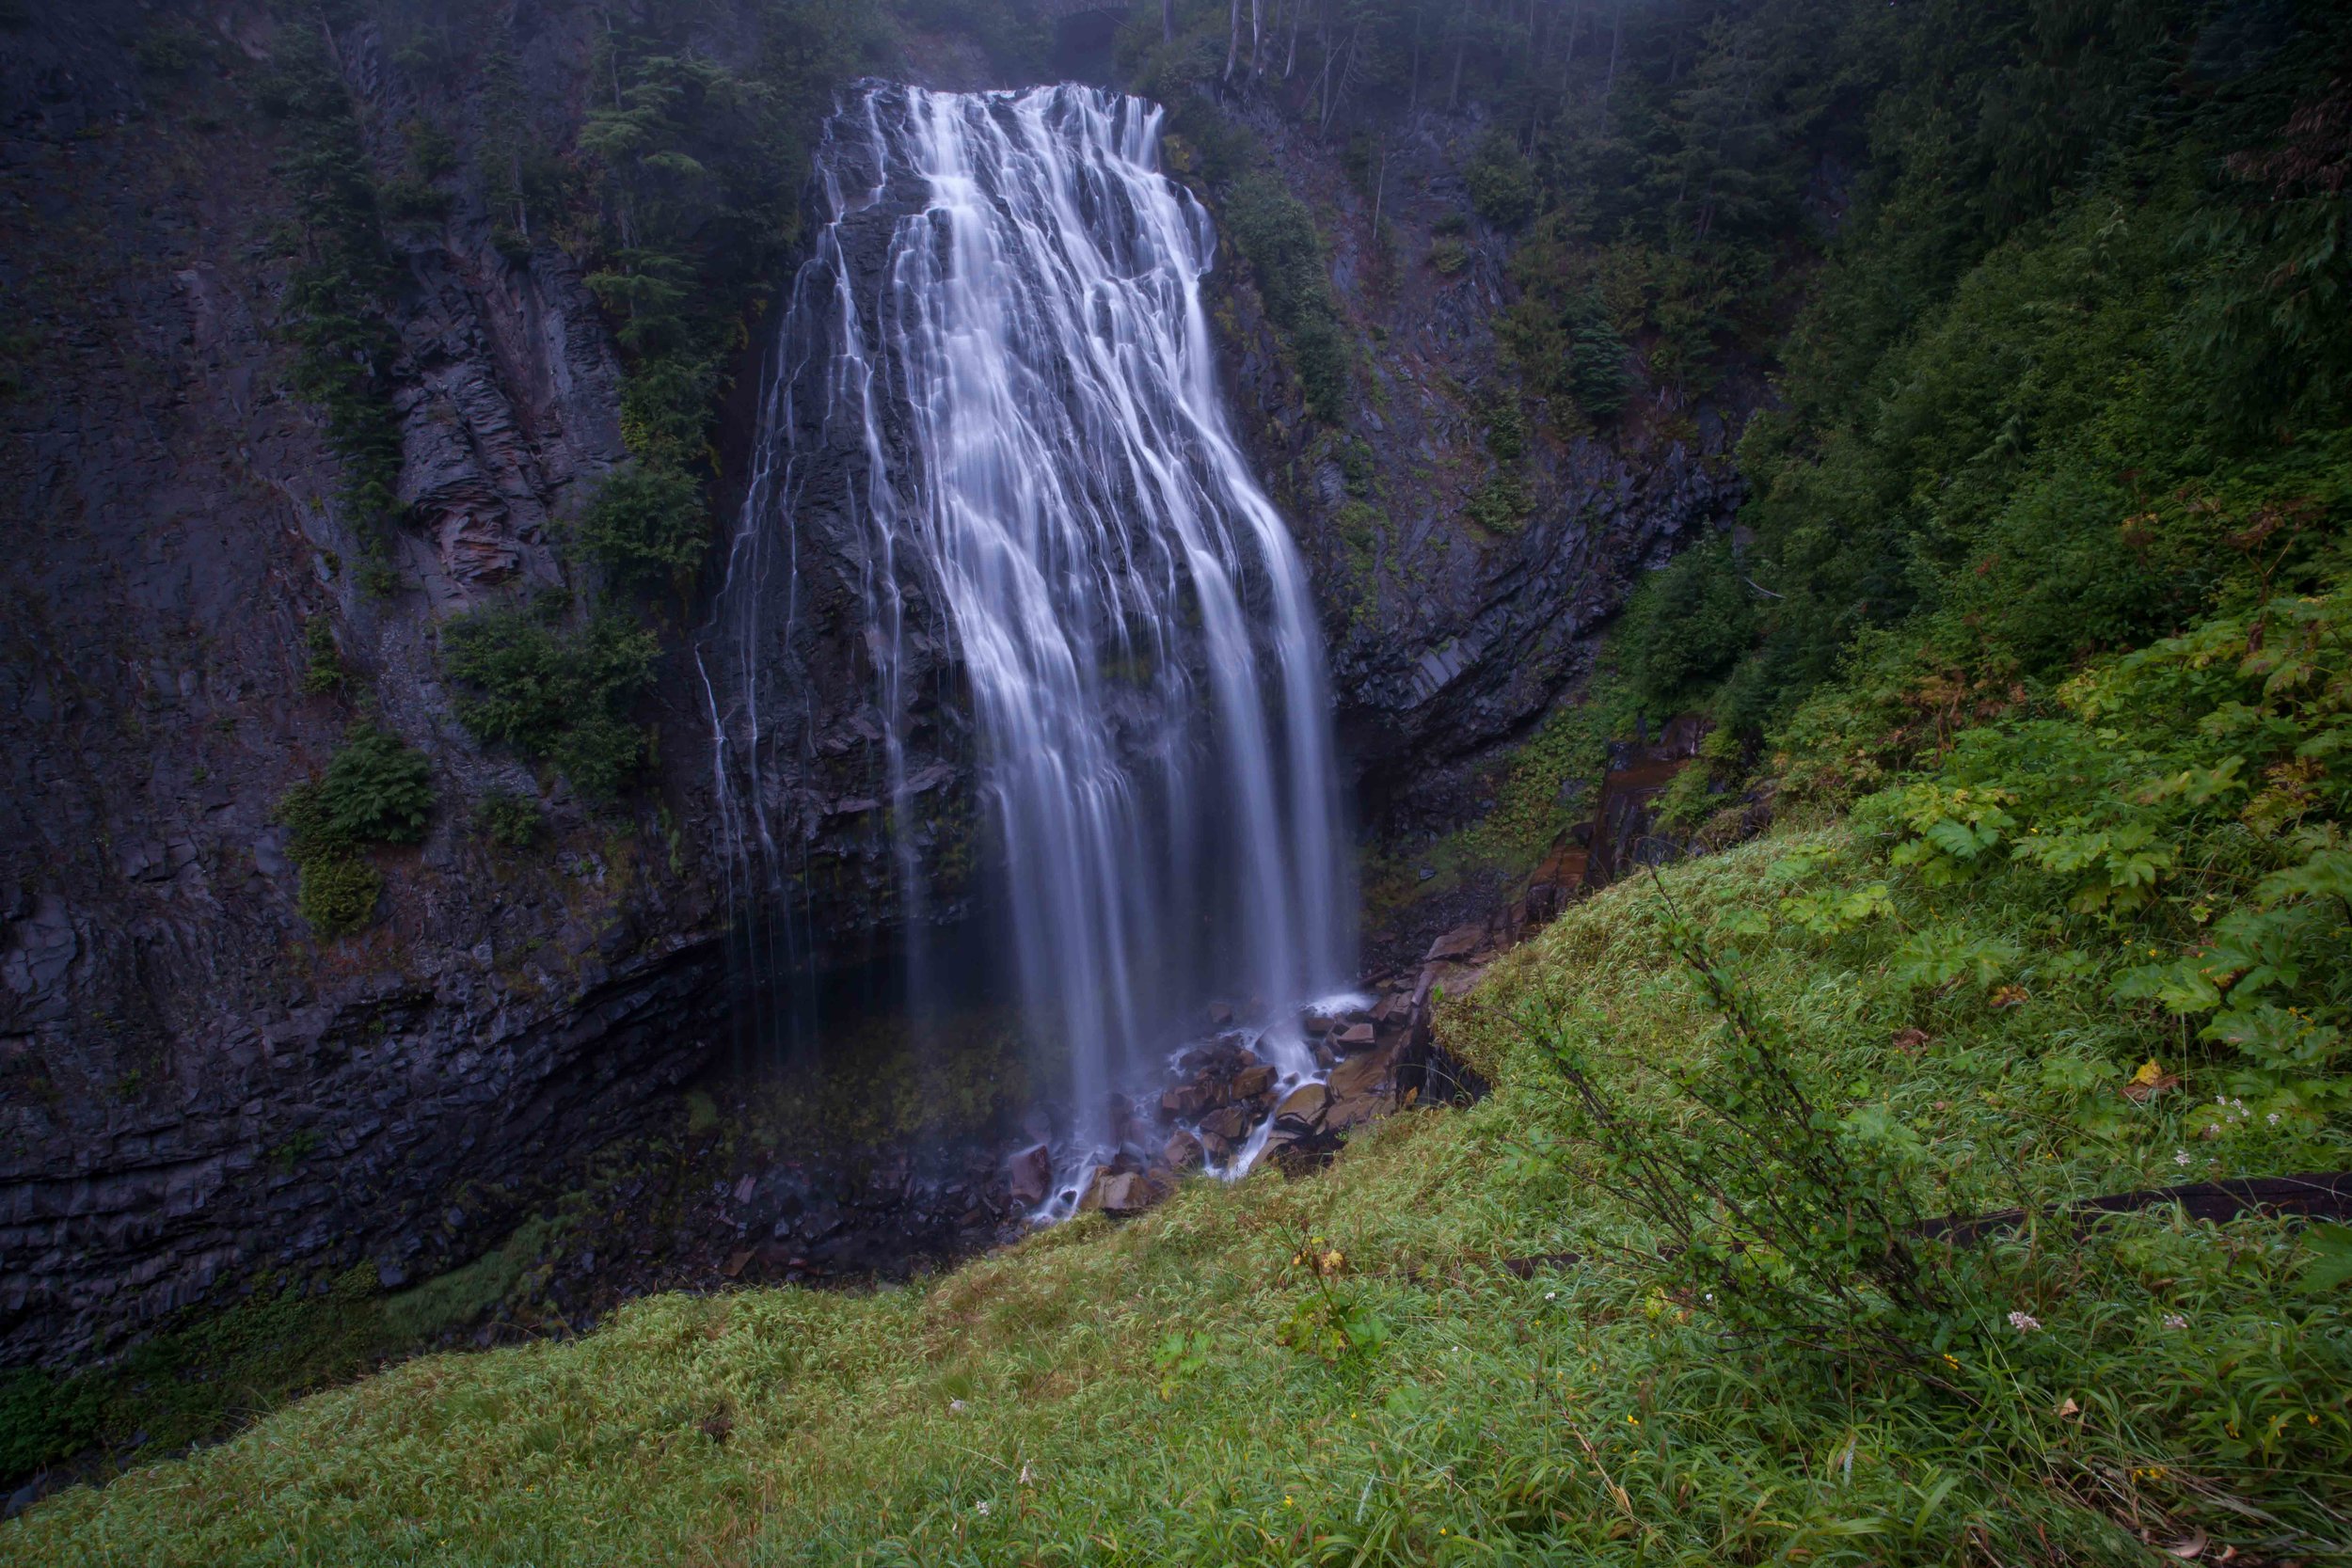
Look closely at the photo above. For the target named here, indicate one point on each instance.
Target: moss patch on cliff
(558, 688)
(339, 282)
(376, 791)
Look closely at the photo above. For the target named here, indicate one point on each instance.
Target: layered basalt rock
(195, 1095)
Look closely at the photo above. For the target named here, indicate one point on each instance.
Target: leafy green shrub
(1360, 525)
(1333, 1321)
(562, 693)
(646, 526)
(1684, 625)
(1501, 505)
(1277, 234)
(1448, 255)
(2183, 825)
(1507, 429)
(375, 790)
(1501, 186)
(508, 818)
(339, 894)
(322, 668)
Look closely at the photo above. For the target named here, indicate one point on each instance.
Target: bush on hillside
(555, 691)
(646, 526)
(1502, 185)
(508, 818)
(1685, 624)
(1276, 232)
(376, 791)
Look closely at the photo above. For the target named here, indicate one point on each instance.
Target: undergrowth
(377, 791)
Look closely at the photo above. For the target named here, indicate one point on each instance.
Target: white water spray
(996, 382)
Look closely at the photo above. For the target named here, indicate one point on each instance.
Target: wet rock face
(193, 1093)
(1448, 637)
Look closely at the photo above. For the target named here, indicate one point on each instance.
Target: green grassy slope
(1032, 1408)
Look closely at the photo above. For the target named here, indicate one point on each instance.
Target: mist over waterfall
(993, 445)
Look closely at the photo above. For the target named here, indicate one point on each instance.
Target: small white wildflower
(955, 1406)
(2024, 1323)
(1026, 1476)
(2180, 1157)
(2174, 1322)
(980, 1508)
(2272, 1118)
(1551, 1295)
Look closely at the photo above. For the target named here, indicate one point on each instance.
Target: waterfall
(991, 446)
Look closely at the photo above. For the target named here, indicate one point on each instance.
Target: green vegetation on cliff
(2057, 390)
(376, 791)
(558, 688)
(340, 282)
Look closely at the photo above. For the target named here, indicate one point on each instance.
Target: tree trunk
(1461, 42)
(1168, 21)
(1412, 96)
(1617, 39)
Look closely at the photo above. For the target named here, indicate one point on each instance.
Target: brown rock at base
(1356, 1110)
(1354, 1038)
(1125, 1125)
(1231, 1123)
(1460, 942)
(1183, 1152)
(1119, 1191)
(1251, 1081)
(1363, 1074)
(1187, 1101)
(1301, 1109)
(1031, 1175)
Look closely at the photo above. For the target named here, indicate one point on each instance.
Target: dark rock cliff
(194, 1093)
(1450, 638)
(197, 1096)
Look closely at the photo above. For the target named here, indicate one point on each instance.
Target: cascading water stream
(995, 387)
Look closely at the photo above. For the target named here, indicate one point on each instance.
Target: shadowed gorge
(1332, 781)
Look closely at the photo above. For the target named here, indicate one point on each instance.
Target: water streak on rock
(996, 378)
